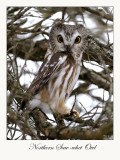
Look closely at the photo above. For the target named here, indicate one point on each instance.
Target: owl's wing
(49, 66)
(47, 69)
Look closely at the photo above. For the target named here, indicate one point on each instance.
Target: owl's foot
(59, 119)
(74, 114)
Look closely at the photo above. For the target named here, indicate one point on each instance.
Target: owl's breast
(63, 81)
(73, 79)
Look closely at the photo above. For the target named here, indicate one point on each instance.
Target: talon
(74, 114)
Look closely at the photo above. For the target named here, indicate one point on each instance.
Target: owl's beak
(68, 48)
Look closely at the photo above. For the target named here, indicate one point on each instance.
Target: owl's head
(68, 38)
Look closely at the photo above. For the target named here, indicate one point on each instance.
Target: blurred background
(27, 41)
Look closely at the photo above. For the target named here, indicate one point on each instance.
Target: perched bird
(59, 71)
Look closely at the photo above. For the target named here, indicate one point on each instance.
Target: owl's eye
(60, 39)
(78, 39)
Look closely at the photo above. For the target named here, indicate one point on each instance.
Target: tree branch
(99, 12)
(53, 132)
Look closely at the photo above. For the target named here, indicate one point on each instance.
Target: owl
(59, 71)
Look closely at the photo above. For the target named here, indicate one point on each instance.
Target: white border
(107, 149)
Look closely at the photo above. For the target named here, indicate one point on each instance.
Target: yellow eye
(60, 39)
(78, 39)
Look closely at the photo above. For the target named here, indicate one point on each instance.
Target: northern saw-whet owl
(59, 71)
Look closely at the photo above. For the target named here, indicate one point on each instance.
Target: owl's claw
(74, 114)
